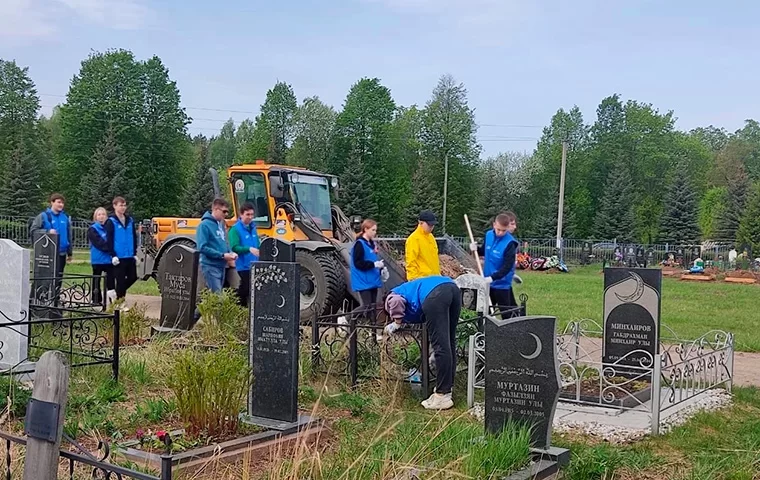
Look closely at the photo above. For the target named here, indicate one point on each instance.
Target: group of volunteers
(113, 244)
(429, 297)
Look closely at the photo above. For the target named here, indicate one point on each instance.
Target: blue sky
(520, 60)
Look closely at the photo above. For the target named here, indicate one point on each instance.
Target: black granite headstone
(273, 342)
(631, 315)
(630, 256)
(277, 250)
(586, 253)
(178, 277)
(45, 268)
(641, 257)
(696, 252)
(679, 256)
(522, 375)
(650, 257)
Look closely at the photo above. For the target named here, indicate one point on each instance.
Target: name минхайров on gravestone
(522, 375)
(273, 342)
(631, 316)
(178, 277)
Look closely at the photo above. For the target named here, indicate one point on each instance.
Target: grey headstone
(178, 275)
(631, 315)
(474, 291)
(45, 268)
(14, 303)
(273, 342)
(522, 375)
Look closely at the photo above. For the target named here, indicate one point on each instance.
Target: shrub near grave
(210, 387)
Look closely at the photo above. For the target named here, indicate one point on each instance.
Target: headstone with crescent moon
(522, 375)
(178, 274)
(631, 316)
(277, 250)
(273, 343)
(14, 303)
(45, 268)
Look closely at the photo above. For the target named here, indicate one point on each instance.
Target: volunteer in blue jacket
(437, 301)
(211, 238)
(100, 258)
(499, 252)
(244, 241)
(366, 267)
(122, 242)
(55, 220)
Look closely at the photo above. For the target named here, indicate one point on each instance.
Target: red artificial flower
(161, 434)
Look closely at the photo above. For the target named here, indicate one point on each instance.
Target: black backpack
(30, 222)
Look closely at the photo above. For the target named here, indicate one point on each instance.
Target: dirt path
(746, 365)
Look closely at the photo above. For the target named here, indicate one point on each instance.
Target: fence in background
(17, 229)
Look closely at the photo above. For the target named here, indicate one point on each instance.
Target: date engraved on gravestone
(273, 343)
(522, 375)
(178, 275)
(631, 315)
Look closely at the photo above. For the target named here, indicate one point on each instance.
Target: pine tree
(749, 227)
(492, 198)
(738, 188)
(614, 218)
(358, 196)
(425, 196)
(106, 178)
(679, 222)
(200, 193)
(20, 192)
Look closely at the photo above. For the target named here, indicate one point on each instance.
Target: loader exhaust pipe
(215, 181)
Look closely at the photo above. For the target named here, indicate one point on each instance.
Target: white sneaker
(111, 297)
(342, 320)
(438, 402)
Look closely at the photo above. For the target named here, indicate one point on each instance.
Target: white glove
(391, 328)
(517, 278)
(379, 264)
(488, 280)
(474, 246)
(385, 275)
(115, 261)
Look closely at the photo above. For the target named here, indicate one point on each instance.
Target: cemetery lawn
(149, 287)
(690, 309)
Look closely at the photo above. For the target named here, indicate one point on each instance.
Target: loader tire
(322, 285)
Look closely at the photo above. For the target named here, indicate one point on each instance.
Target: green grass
(149, 287)
(691, 309)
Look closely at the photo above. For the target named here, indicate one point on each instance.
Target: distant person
(122, 242)
(366, 267)
(100, 257)
(422, 249)
(499, 253)
(211, 239)
(244, 241)
(55, 221)
(437, 301)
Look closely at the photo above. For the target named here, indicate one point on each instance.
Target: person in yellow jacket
(422, 250)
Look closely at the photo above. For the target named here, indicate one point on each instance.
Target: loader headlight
(334, 182)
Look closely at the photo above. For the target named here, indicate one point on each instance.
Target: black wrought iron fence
(17, 229)
(71, 290)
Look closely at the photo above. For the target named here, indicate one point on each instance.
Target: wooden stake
(487, 302)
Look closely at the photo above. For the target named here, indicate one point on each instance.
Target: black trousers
(244, 289)
(503, 299)
(441, 310)
(100, 271)
(125, 275)
(368, 307)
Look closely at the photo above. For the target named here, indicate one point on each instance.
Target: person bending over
(437, 301)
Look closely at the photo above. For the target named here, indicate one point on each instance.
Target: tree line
(631, 175)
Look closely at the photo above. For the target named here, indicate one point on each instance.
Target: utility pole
(445, 187)
(561, 198)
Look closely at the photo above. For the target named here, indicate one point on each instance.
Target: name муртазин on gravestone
(522, 380)
(631, 316)
(178, 277)
(273, 342)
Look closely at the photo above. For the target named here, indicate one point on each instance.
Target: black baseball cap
(428, 217)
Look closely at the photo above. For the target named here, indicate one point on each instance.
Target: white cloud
(42, 18)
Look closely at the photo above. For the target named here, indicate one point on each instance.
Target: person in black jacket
(100, 258)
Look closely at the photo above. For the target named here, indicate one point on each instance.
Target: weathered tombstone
(474, 291)
(522, 375)
(630, 256)
(45, 269)
(14, 304)
(277, 250)
(273, 345)
(631, 315)
(178, 275)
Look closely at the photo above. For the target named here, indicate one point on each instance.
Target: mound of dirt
(741, 274)
(450, 266)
